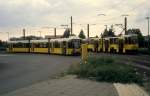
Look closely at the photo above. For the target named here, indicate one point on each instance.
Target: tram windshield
(74, 43)
(113, 40)
(131, 40)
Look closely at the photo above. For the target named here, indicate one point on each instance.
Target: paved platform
(22, 70)
(71, 86)
(67, 86)
(130, 90)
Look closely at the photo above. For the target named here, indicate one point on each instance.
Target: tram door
(106, 45)
(64, 47)
(28, 45)
(10, 47)
(121, 43)
(49, 45)
(96, 46)
(32, 47)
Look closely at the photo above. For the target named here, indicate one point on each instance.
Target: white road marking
(129, 90)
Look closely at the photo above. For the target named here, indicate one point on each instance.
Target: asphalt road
(21, 70)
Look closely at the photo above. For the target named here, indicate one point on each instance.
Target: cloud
(23, 13)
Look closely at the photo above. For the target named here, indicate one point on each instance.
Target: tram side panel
(40, 48)
(20, 48)
(114, 48)
(130, 44)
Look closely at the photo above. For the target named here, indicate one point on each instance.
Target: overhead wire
(138, 6)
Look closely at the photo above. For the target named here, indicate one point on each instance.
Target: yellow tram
(128, 43)
(92, 44)
(121, 44)
(19, 46)
(111, 44)
(72, 45)
(62, 46)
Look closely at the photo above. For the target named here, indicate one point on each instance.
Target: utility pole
(125, 23)
(24, 34)
(88, 30)
(71, 26)
(148, 18)
(55, 32)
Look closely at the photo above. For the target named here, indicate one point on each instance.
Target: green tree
(82, 35)
(109, 33)
(1, 43)
(66, 33)
(96, 36)
(105, 33)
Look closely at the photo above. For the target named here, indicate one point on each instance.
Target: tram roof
(39, 41)
(111, 37)
(45, 40)
(65, 39)
(19, 41)
(88, 39)
(130, 35)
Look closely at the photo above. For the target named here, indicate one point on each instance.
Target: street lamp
(120, 25)
(148, 18)
(101, 15)
(64, 25)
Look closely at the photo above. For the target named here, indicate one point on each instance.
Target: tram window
(18, 45)
(70, 45)
(13, 45)
(56, 45)
(134, 40)
(48, 45)
(27, 45)
(43, 45)
(37, 45)
(126, 40)
(40, 45)
(111, 41)
(116, 41)
(100, 41)
(129, 40)
(76, 44)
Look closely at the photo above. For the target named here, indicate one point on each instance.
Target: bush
(107, 70)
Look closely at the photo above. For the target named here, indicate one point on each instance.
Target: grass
(107, 70)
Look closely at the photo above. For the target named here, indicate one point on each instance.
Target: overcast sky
(34, 15)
